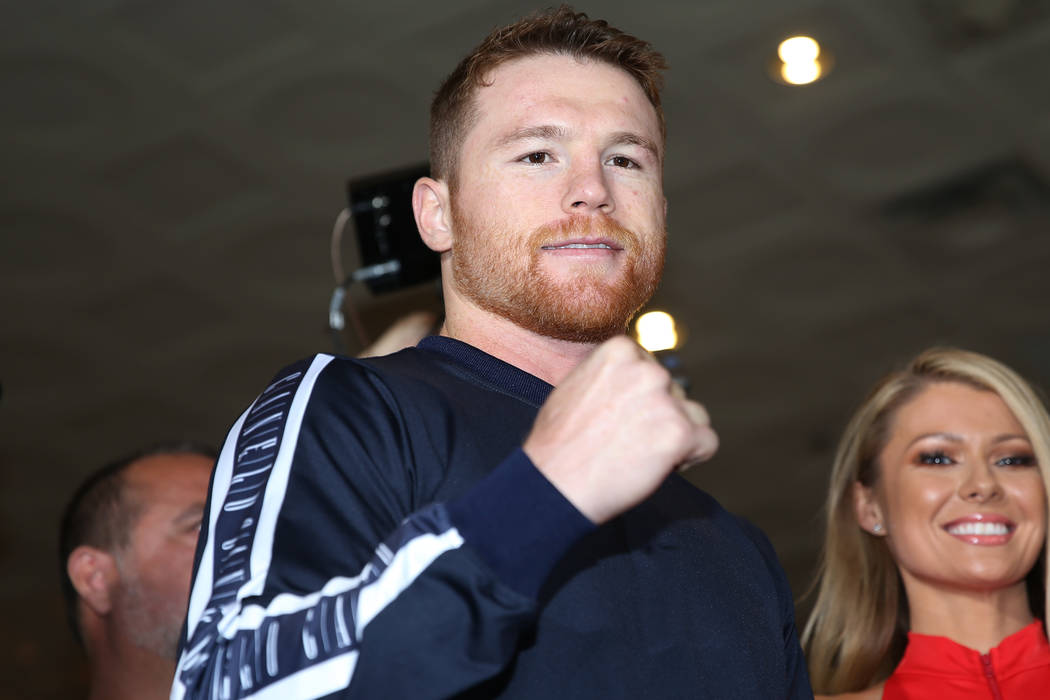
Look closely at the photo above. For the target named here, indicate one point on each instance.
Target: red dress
(938, 668)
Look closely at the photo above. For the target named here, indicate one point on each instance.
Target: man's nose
(587, 190)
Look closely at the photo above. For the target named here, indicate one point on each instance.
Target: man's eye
(537, 158)
(622, 162)
(937, 458)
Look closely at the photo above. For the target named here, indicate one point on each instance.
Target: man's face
(155, 567)
(558, 210)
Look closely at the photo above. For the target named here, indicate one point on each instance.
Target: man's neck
(129, 673)
(549, 359)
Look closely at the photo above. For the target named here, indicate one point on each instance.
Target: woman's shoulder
(872, 693)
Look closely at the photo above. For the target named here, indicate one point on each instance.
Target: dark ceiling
(171, 172)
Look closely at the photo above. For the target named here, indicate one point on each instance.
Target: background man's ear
(866, 508)
(94, 575)
(431, 204)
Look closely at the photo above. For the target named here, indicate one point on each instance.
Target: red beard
(489, 269)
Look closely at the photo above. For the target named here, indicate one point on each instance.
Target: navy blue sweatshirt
(374, 530)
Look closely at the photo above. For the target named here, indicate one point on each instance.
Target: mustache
(578, 226)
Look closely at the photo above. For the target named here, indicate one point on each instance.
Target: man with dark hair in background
(494, 513)
(126, 553)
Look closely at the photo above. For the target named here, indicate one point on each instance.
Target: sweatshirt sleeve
(316, 578)
(796, 676)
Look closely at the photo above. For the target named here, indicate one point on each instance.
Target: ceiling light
(798, 49)
(655, 331)
(800, 73)
(801, 61)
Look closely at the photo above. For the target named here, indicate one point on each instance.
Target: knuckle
(709, 444)
(622, 348)
(700, 414)
(678, 429)
(653, 373)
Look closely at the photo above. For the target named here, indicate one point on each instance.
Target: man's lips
(982, 528)
(584, 244)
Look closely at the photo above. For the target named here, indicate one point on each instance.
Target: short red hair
(560, 31)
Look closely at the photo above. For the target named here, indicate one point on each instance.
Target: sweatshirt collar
(488, 369)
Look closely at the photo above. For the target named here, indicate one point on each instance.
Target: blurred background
(171, 173)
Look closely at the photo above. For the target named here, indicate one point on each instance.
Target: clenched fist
(615, 428)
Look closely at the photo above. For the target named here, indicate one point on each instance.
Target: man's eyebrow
(633, 139)
(551, 132)
(190, 513)
(542, 132)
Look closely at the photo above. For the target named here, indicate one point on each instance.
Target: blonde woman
(933, 581)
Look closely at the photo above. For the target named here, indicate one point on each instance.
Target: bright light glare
(656, 331)
(800, 73)
(798, 49)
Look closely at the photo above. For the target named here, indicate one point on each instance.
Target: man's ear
(867, 510)
(432, 207)
(94, 575)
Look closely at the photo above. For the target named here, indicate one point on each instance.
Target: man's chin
(589, 306)
(591, 335)
(582, 318)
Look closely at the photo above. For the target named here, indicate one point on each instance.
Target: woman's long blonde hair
(858, 628)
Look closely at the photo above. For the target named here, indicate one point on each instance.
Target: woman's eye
(936, 458)
(537, 158)
(622, 162)
(1017, 461)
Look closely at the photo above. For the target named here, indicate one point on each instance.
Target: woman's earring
(876, 528)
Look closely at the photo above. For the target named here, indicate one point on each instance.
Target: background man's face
(558, 211)
(156, 566)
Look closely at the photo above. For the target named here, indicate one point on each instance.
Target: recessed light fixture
(656, 331)
(800, 61)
